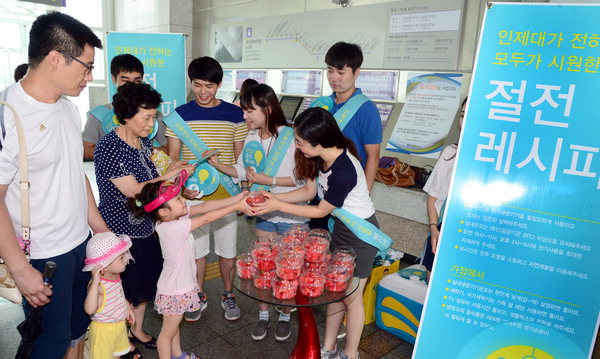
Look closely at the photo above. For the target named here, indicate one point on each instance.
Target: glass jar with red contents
(312, 283)
(316, 249)
(245, 266)
(337, 278)
(284, 288)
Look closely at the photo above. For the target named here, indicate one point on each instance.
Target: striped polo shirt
(218, 127)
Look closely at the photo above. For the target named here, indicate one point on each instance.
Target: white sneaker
(328, 354)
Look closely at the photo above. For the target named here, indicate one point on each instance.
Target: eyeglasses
(89, 68)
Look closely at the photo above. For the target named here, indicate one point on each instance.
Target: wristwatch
(274, 182)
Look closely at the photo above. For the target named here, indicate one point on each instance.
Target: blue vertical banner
(515, 274)
(163, 56)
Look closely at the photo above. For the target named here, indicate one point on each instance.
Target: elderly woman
(123, 166)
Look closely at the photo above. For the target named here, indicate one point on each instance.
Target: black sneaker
(283, 331)
(260, 330)
(195, 315)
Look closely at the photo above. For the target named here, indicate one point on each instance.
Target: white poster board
(431, 104)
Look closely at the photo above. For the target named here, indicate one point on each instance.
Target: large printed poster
(163, 56)
(432, 100)
(517, 273)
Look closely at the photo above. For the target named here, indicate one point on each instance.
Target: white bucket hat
(104, 248)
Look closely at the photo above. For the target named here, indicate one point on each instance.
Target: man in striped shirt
(221, 127)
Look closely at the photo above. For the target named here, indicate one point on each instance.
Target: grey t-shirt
(93, 129)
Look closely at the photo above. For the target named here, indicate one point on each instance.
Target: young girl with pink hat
(106, 257)
(177, 291)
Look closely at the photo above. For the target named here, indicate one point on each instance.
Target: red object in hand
(283, 288)
(255, 198)
(312, 284)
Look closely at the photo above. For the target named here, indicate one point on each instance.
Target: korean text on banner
(516, 275)
(163, 56)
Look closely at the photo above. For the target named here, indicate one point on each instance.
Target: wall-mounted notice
(385, 109)
(302, 40)
(241, 75)
(423, 34)
(516, 273)
(163, 56)
(378, 85)
(431, 104)
(306, 103)
(302, 82)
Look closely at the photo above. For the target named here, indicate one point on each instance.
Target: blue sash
(109, 120)
(344, 114)
(197, 146)
(275, 157)
(364, 230)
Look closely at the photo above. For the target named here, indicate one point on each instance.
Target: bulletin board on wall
(410, 34)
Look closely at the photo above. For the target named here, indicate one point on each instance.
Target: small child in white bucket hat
(107, 256)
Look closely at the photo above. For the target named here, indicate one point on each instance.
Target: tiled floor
(214, 337)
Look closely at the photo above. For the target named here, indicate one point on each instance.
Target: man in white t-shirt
(62, 207)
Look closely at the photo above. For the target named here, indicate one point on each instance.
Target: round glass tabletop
(246, 287)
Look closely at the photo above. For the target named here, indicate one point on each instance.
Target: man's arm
(95, 220)
(88, 150)
(29, 281)
(372, 163)
(92, 132)
(238, 146)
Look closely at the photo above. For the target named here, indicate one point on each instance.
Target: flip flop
(150, 344)
(184, 355)
(132, 354)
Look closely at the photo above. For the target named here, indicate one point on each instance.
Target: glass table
(308, 345)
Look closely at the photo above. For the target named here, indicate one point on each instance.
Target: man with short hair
(364, 127)
(220, 125)
(62, 206)
(101, 119)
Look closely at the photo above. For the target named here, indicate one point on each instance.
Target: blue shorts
(266, 226)
(64, 318)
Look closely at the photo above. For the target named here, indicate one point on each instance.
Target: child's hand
(96, 271)
(243, 206)
(270, 205)
(130, 316)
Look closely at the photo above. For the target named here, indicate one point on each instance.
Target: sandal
(150, 344)
(132, 355)
(184, 355)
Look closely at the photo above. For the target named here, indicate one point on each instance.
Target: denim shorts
(64, 318)
(267, 226)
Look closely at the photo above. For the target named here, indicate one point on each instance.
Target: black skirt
(141, 274)
(365, 253)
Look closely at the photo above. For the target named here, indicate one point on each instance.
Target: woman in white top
(437, 188)
(266, 121)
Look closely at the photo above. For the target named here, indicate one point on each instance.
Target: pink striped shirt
(114, 305)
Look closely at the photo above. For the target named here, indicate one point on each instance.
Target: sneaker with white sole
(328, 354)
(259, 332)
(283, 330)
(230, 307)
(342, 355)
(195, 315)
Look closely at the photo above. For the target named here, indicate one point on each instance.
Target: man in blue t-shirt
(364, 128)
